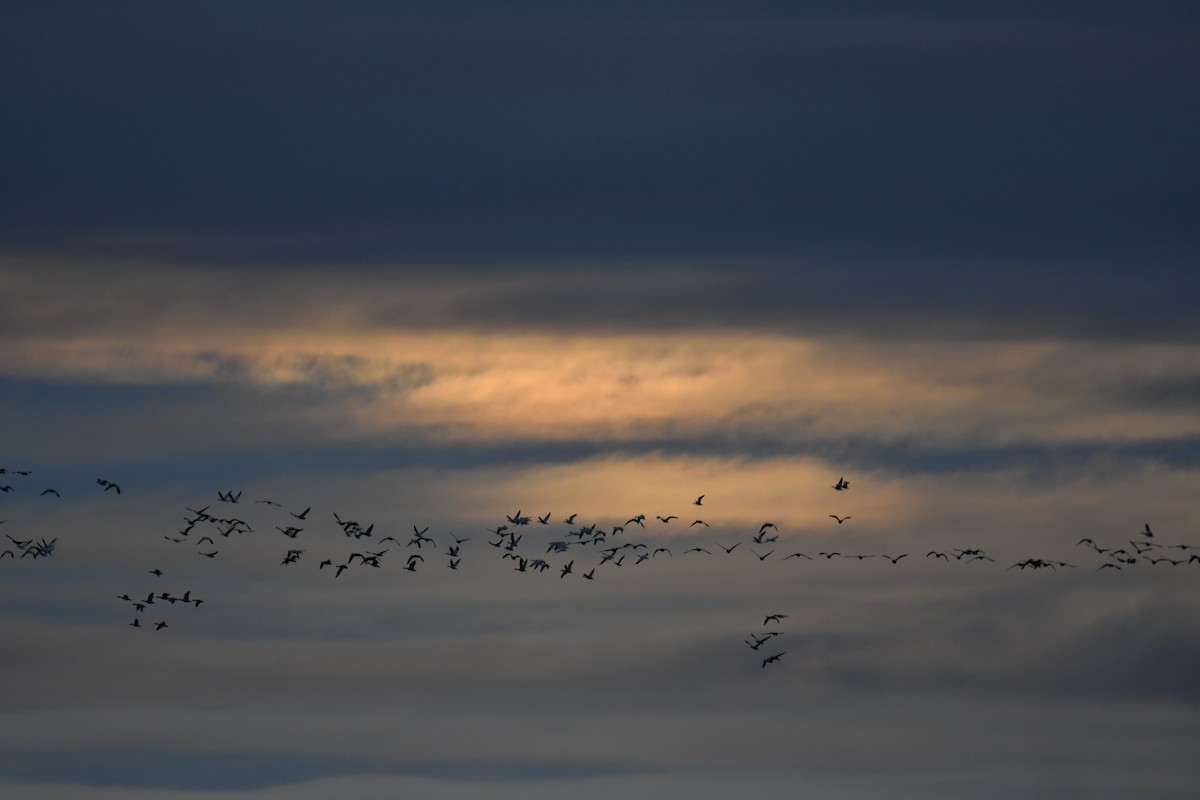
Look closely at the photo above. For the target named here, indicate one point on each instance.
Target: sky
(431, 269)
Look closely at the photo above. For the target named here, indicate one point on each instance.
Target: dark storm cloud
(291, 132)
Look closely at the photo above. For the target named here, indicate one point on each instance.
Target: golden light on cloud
(557, 387)
(378, 361)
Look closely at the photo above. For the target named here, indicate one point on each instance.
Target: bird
(50, 491)
(1147, 532)
(302, 514)
(840, 520)
(759, 641)
(774, 618)
(728, 550)
(764, 556)
(158, 626)
(544, 520)
(797, 555)
(699, 501)
(590, 574)
(156, 572)
(668, 518)
(566, 570)
(698, 522)
(897, 558)
(772, 659)
(842, 484)
(698, 550)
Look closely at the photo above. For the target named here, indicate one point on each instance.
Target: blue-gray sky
(429, 264)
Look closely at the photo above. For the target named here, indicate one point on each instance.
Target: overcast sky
(439, 265)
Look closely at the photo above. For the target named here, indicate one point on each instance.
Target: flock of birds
(580, 551)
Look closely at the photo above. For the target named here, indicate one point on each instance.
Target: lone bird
(699, 501)
(840, 520)
(772, 659)
(842, 484)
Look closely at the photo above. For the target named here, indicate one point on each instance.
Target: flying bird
(772, 659)
(840, 520)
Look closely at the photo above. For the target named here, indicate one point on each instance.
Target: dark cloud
(294, 134)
